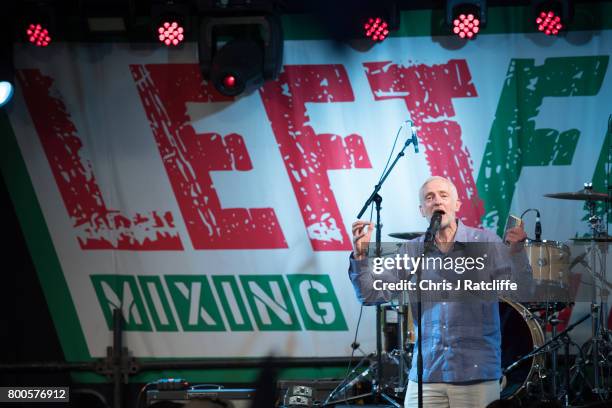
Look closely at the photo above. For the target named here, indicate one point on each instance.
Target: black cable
(392, 150)
(527, 210)
(354, 346)
(537, 211)
(387, 164)
(141, 393)
(608, 174)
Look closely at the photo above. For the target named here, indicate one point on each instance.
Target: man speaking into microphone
(461, 341)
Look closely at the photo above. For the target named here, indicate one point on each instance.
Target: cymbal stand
(598, 334)
(544, 347)
(553, 321)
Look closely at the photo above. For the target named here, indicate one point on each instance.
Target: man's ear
(457, 205)
(422, 210)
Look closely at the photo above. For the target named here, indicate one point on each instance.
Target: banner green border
(40, 245)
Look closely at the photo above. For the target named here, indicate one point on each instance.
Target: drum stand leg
(401, 342)
(553, 357)
(595, 347)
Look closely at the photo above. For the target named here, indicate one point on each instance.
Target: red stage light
(466, 26)
(229, 81)
(549, 23)
(38, 35)
(171, 33)
(376, 29)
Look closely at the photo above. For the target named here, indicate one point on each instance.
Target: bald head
(451, 187)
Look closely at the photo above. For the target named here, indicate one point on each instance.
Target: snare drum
(550, 261)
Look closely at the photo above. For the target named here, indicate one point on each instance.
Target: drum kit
(530, 339)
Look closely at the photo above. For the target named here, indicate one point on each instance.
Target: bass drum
(521, 333)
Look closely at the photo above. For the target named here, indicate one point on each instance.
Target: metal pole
(117, 348)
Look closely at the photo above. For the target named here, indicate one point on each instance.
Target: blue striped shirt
(461, 339)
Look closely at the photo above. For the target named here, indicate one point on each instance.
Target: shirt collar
(461, 235)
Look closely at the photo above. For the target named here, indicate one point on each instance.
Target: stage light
(251, 54)
(37, 22)
(549, 23)
(172, 21)
(38, 35)
(552, 16)
(238, 67)
(466, 26)
(7, 70)
(466, 17)
(229, 81)
(6, 92)
(171, 33)
(376, 29)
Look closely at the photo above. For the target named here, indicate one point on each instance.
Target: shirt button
(444, 303)
(444, 327)
(475, 365)
(445, 347)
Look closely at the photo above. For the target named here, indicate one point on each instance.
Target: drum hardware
(406, 235)
(586, 194)
(550, 263)
(547, 307)
(371, 373)
(521, 333)
(606, 238)
(544, 348)
(600, 334)
(553, 321)
(395, 359)
(598, 309)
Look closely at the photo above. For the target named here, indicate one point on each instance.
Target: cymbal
(583, 195)
(589, 239)
(406, 235)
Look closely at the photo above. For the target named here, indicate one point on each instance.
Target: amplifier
(238, 397)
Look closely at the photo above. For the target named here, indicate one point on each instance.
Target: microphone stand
(377, 199)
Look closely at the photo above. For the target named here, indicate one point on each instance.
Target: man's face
(439, 196)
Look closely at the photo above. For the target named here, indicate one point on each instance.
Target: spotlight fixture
(350, 20)
(171, 22)
(252, 51)
(7, 73)
(37, 22)
(6, 92)
(552, 16)
(38, 35)
(7, 70)
(379, 18)
(376, 29)
(171, 33)
(466, 17)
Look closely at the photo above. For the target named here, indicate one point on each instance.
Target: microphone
(538, 227)
(413, 132)
(434, 226)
